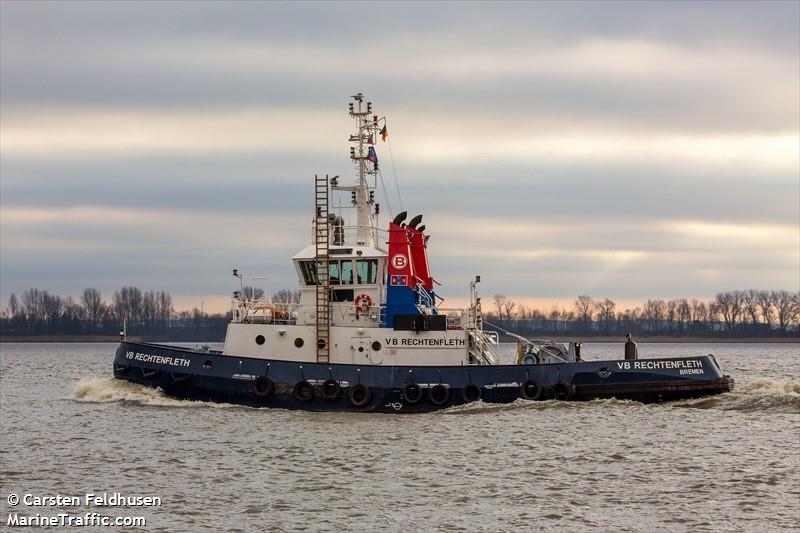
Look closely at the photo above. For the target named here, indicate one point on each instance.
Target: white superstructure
(344, 277)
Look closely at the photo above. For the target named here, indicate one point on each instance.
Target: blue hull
(187, 374)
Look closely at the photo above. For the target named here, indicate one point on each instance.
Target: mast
(362, 193)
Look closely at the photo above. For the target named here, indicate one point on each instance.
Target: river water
(726, 463)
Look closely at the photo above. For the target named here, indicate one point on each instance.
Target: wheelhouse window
(333, 272)
(367, 271)
(309, 270)
(347, 272)
(340, 272)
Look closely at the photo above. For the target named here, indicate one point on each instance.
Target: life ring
(562, 392)
(303, 391)
(530, 390)
(360, 395)
(471, 393)
(412, 393)
(263, 386)
(363, 302)
(439, 394)
(331, 390)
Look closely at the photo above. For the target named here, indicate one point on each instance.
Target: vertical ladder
(321, 240)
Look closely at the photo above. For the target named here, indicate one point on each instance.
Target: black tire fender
(439, 394)
(562, 392)
(263, 386)
(412, 393)
(471, 393)
(303, 391)
(530, 390)
(360, 395)
(331, 390)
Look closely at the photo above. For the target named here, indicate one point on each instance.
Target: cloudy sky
(625, 150)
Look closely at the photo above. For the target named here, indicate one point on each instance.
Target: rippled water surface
(726, 463)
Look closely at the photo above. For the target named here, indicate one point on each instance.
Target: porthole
(321, 343)
(376, 346)
(207, 364)
(360, 348)
(299, 342)
(260, 340)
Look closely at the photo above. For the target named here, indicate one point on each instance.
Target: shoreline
(11, 339)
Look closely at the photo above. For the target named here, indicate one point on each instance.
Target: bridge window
(347, 272)
(333, 272)
(342, 295)
(309, 270)
(367, 271)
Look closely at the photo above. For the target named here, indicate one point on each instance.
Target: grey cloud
(58, 54)
(271, 182)
(770, 23)
(49, 57)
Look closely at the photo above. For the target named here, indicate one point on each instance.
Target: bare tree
(127, 304)
(165, 309)
(150, 307)
(31, 304)
(508, 307)
(92, 303)
(605, 310)
(750, 304)
(252, 293)
(52, 305)
(684, 315)
(787, 307)
(729, 306)
(653, 312)
(499, 302)
(766, 305)
(286, 296)
(583, 308)
(13, 305)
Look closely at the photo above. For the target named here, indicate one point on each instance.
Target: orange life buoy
(363, 302)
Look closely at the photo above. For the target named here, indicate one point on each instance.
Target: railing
(425, 298)
(484, 346)
(484, 343)
(348, 235)
(264, 312)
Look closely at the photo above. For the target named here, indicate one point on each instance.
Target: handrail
(425, 297)
(350, 234)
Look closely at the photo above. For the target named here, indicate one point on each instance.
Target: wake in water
(761, 395)
(480, 407)
(109, 390)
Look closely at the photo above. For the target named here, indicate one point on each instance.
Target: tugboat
(369, 332)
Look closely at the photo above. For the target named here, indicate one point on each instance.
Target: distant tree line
(151, 314)
(148, 314)
(750, 313)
